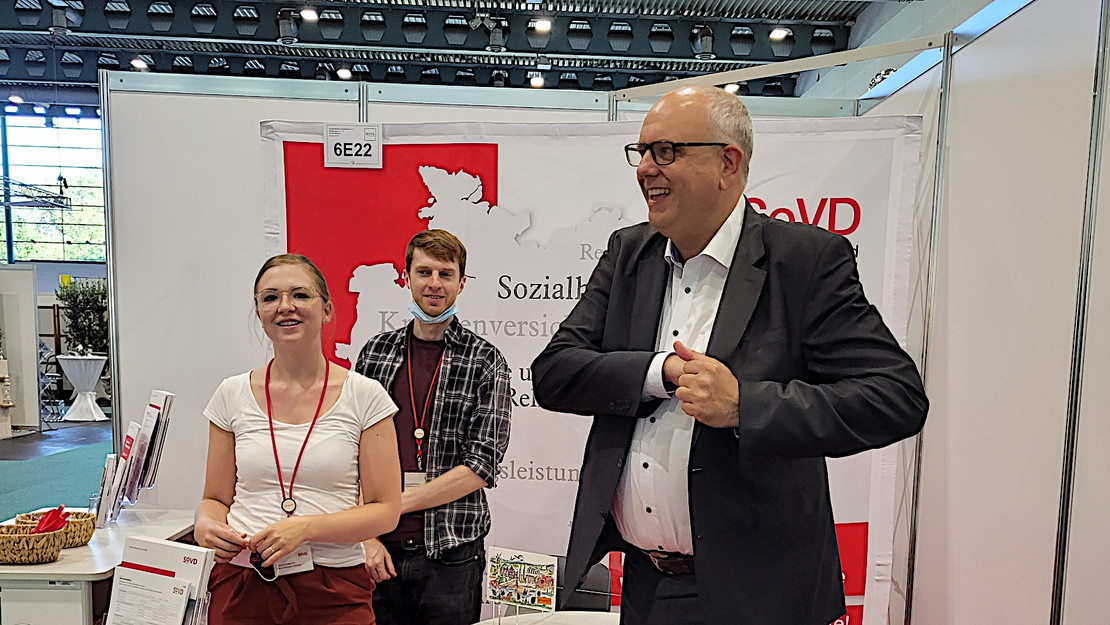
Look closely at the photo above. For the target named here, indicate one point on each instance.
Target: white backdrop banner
(535, 204)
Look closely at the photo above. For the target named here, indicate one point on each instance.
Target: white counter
(61, 591)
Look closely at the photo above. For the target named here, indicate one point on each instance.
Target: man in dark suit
(723, 355)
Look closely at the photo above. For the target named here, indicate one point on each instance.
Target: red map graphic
(344, 218)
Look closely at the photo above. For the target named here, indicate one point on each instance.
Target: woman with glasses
(292, 446)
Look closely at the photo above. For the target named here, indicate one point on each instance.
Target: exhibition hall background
(1013, 304)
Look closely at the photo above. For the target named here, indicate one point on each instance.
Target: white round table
(83, 373)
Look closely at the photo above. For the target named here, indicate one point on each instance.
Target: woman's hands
(280, 539)
(273, 543)
(219, 537)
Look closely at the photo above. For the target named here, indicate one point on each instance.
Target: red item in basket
(52, 521)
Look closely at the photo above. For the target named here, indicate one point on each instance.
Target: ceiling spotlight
(343, 73)
(73, 110)
(287, 27)
(536, 81)
(59, 27)
(309, 15)
(732, 88)
(40, 110)
(543, 24)
(496, 39)
(780, 33)
(703, 43)
(15, 98)
(499, 78)
(139, 64)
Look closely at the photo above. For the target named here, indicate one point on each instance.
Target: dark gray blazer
(820, 375)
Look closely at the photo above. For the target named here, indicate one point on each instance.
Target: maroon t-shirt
(425, 359)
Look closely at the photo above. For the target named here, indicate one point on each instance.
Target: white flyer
(177, 560)
(142, 598)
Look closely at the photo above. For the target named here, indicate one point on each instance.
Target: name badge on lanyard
(297, 562)
(414, 479)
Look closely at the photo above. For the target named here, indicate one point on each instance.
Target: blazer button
(695, 469)
(620, 462)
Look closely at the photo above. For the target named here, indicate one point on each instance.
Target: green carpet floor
(69, 478)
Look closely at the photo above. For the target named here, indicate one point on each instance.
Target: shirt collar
(722, 247)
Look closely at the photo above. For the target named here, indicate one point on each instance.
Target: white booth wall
(1014, 180)
(19, 347)
(1089, 540)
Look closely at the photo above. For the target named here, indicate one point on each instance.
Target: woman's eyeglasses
(269, 299)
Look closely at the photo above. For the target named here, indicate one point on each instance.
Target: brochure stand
(137, 465)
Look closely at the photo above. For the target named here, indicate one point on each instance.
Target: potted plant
(85, 311)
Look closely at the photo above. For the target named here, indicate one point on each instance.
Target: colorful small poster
(521, 578)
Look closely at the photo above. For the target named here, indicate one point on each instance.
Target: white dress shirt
(652, 507)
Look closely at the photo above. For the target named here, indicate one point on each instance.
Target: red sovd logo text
(835, 214)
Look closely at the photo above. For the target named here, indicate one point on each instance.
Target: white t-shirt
(327, 480)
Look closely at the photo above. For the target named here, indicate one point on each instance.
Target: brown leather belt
(671, 563)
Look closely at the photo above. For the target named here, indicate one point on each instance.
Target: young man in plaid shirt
(452, 387)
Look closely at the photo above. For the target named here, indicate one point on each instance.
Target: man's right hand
(219, 537)
(378, 561)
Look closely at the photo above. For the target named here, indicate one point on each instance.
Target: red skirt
(322, 595)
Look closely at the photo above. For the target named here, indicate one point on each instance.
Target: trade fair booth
(968, 194)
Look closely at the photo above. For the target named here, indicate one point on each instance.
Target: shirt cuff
(653, 383)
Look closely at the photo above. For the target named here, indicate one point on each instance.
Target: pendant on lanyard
(288, 504)
(418, 426)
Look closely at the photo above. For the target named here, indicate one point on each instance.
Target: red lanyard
(288, 504)
(418, 426)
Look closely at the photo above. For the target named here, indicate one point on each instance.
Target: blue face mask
(419, 313)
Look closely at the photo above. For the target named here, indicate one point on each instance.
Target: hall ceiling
(601, 45)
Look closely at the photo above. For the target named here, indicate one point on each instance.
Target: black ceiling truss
(591, 45)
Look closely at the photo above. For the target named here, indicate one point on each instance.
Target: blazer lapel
(651, 281)
(742, 288)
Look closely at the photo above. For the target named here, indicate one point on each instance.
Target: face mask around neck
(419, 313)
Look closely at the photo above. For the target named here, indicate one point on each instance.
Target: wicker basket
(77, 531)
(19, 546)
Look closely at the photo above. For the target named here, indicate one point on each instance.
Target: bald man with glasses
(723, 356)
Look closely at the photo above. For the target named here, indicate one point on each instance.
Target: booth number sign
(353, 145)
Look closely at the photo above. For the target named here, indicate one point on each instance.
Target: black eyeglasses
(664, 152)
